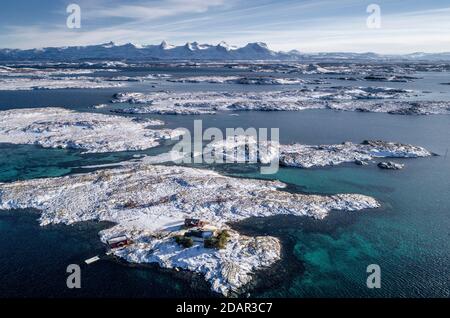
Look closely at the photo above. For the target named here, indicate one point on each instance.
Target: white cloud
(160, 9)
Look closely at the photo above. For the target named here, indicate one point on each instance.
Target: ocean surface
(408, 237)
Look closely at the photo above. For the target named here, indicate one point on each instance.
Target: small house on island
(202, 234)
(194, 223)
(118, 241)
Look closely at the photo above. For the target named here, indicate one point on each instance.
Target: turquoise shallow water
(409, 237)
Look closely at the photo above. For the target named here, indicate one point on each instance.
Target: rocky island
(306, 156)
(342, 98)
(390, 165)
(148, 203)
(247, 149)
(53, 127)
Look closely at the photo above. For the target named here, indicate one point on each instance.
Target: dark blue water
(409, 237)
(35, 259)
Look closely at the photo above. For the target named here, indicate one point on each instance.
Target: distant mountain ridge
(195, 51)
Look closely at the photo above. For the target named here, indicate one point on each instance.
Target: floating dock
(92, 260)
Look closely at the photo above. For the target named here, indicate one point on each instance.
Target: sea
(408, 237)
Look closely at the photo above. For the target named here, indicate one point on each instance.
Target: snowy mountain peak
(195, 46)
(258, 45)
(226, 46)
(164, 51)
(191, 46)
(194, 51)
(131, 46)
(166, 46)
(135, 45)
(108, 45)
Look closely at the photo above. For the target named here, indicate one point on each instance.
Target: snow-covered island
(47, 78)
(80, 82)
(362, 99)
(245, 80)
(307, 156)
(149, 204)
(247, 149)
(53, 127)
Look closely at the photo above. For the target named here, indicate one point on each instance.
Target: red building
(193, 223)
(119, 241)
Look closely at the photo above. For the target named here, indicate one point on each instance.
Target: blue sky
(305, 25)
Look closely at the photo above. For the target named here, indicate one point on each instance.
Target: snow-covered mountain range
(195, 51)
